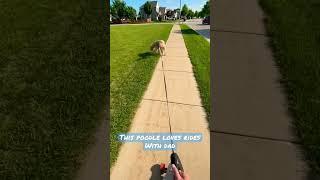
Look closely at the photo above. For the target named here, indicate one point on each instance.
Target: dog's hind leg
(162, 52)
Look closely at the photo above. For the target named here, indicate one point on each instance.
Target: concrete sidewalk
(186, 112)
(252, 130)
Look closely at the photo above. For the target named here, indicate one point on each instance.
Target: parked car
(206, 20)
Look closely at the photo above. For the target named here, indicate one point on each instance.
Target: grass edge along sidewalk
(294, 28)
(132, 66)
(199, 52)
(53, 88)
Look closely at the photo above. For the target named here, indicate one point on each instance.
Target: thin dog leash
(167, 102)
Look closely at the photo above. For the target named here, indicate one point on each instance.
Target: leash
(167, 102)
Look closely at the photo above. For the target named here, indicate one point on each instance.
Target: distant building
(172, 14)
(177, 13)
(155, 11)
(163, 13)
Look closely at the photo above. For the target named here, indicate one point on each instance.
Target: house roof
(153, 4)
(162, 9)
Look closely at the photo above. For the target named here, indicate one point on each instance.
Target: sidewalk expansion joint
(176, 56)
(171, 102)
(175, 71)
(257, 137)
(238, 32)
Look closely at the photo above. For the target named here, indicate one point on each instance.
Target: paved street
(196, 24)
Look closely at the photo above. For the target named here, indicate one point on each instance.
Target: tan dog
(159, 46)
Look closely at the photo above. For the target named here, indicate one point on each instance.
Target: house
(177, 13)
(172, 14)
(162, 13)
(155, 11)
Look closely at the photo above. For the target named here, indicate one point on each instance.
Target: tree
(184, 10)
(196, 14)
(118, 9)
(190, 14)
(131, 13)
(147, 8)
(201, 14)
(206, 9)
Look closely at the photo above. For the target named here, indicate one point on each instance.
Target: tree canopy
(131, 13)
(187, 12)
(120, 10)
(147, 8)
(184, 10)
(196, 14)
(205, 11)
(190, 14)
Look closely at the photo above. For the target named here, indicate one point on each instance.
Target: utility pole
(180, 13)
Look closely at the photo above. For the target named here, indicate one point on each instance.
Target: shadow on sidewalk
(156, 173)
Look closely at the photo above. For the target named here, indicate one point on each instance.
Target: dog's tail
(153, 45)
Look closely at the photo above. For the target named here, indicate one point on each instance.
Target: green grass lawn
(199, 52)
(131, 65)
(53, 85)
(294, 27)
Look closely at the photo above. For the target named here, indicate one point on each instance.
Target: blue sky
(172, 4)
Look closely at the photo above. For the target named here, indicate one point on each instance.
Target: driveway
(196, 24)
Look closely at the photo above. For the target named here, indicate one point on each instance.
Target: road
(196, 24)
